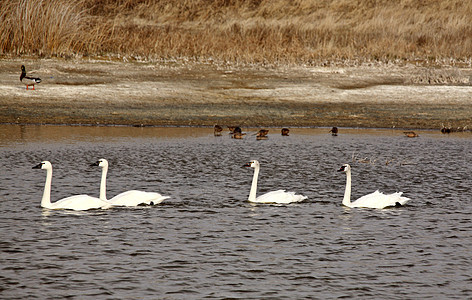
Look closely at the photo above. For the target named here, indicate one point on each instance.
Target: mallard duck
(285, 131)
(27, 80)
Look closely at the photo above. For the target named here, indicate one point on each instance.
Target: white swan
(78, 202)
(129, 198)
(280, 196)
(374, 200)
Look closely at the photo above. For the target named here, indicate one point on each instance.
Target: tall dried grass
(299, 31)
(47, 27)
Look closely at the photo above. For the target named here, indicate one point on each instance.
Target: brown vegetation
(249, 31)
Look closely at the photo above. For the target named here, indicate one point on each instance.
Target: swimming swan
(374, 200)
(78, 202)
(129, 198)
(280, 196)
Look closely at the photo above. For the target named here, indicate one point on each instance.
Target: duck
(236, 129)
(334, 131)
(374, 200)
(410, 134)
(285, 131)
(27, 80)
(217, 129)
(275, 197)
(262, 134)
(231, 129)
(445, 130)
(238, 135)
(77, 202)
(236, 132)
(129, 198)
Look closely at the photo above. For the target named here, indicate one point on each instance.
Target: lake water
(207, 241)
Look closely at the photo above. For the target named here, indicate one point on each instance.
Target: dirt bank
(188, 93)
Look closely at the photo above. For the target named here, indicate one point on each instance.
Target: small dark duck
(285, 131)
(217, 130)
(27, 80)
(410, 134)
(238, 135)
(334, 131)
(234, 129)
(262, 134)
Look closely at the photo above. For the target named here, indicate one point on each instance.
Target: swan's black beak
(246, 165)
(38, 166)
(95, 164)
(342, 169)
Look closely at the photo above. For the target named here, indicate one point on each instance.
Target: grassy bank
(248, 31)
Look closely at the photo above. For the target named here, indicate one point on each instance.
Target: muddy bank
(176, 93)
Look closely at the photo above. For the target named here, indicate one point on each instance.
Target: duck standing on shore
(27, 80)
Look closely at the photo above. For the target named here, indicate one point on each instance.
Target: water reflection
(14, 134)
(17, 134)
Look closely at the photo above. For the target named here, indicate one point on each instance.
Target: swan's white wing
(280, 197)
(79, 202)
(135, 198)
(380, 200)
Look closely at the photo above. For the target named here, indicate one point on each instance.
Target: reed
(47, 27)
(249, 31)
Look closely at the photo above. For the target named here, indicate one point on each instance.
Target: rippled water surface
(207, 241)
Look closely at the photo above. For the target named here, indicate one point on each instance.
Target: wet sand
(100, 92)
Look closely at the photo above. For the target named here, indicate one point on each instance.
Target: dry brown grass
(48, 27)
(254, 31)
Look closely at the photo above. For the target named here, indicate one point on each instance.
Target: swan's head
(100, 163)
(252, 164)
(43, 165)
(345, 168)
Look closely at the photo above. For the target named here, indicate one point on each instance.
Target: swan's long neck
(252, 193)
(347, 192)
(46, 200)
(103, 183)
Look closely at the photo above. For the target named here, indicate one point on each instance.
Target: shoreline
(111, 93)
(250, 128)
